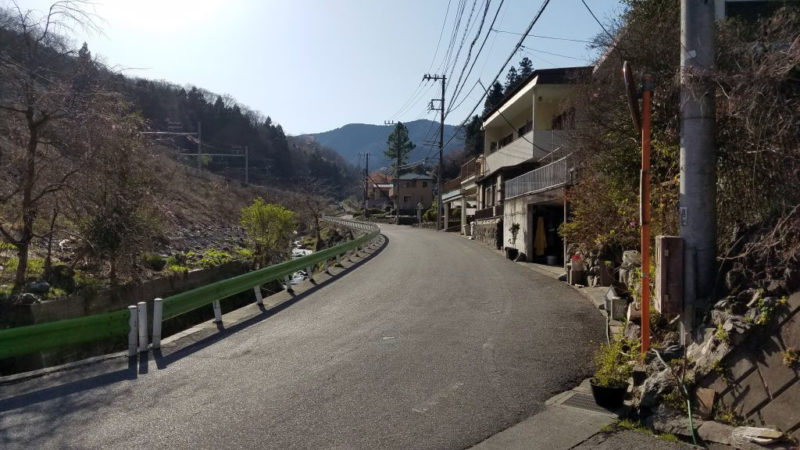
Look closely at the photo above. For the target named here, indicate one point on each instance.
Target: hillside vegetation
(85, 192)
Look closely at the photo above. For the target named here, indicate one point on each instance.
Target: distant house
(414, 188)
(522, 185)
(461, 195)
(379, 186)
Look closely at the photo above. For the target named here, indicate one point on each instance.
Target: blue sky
(315, 65)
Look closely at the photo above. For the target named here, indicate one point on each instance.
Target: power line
(542, 37)
(551, 53)
(441, 32)
(510, 56)
(598, 20)
(477, 55)
(463, 39)
(469, 53)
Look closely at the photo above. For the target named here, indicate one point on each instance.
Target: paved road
(435, 343)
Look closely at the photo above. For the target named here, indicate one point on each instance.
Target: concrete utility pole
(396, 182)
(440, 206)
(698, 191)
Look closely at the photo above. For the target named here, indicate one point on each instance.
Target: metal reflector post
(141, 308)
(133, 330)
(158, 308)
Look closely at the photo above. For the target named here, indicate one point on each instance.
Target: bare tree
(40, 103)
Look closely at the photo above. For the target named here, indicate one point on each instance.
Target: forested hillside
(355, 138)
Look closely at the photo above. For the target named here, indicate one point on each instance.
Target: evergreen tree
(494, 98)
(398, 145)
(512, 78)
(473, 139)
(525, 68)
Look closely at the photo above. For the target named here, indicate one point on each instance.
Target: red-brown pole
(645, 213)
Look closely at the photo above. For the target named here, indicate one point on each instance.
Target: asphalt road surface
(434, 343)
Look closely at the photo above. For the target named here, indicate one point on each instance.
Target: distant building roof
(378, 177)
(415, 176)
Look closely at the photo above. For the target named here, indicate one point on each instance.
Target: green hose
(685, 393)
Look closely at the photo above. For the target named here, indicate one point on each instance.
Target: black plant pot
(610, 397)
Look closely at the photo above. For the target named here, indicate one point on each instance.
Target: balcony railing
(553, 175)
(452, 185)
(487, 213)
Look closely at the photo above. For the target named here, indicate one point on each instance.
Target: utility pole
(440, 207)
(698, 177)
(199, 144)
(396, 182)
(366, 185)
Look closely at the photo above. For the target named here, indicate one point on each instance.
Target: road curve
(435, 343)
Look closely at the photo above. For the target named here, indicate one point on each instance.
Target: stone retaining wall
(486, 231)
(754, 383)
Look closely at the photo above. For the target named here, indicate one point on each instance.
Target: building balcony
(488, 213)
(531, 146)
(550, 176)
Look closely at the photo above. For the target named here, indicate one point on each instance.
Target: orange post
(645, 213)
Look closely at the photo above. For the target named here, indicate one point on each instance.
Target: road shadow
(162, 360)
(54, 392)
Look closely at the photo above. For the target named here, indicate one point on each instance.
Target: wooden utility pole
(396, 182)
(366, 185)
(440, 207)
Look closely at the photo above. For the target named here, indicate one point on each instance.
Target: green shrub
(177, 268)
(176, 259)
(245, 253)
(213, 258)
(269, 228)
(614, 363)
(154, 261)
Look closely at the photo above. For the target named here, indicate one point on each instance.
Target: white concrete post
(133, 330)
(217, 311)
(288, 283)
(259, 298)
(325, 266)
(158, 308)
(310, 273)
(141, 308)
(339, 259)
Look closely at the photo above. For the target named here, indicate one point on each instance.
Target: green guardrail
(190, 300)
(33, 338)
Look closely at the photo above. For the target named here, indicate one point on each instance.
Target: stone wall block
(747, 395)
(784, 411)
(770, 362)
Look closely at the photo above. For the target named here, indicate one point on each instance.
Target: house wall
(515, 210)
(415, 191)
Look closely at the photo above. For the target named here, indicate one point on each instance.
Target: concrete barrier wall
(86, 303)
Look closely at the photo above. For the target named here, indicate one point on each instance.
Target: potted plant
(613, 368)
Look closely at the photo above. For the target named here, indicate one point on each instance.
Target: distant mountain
(355, 138)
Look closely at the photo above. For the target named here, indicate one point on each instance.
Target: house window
(424, 184)
(406, 199)
(506, 140)
(525, 128)
(492, 147)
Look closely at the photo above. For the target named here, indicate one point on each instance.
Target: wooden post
(645, 213)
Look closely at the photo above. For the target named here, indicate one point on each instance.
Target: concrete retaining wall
(86, 303)
(486, 231)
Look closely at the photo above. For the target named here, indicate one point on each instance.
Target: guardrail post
(141, 308)
(288, 283)
(259, 298)
(325, 266)
(133, 330)
(339, 259)
(310, 273)
(217, 311)
(158, 308)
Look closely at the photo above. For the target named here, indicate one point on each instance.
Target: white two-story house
(521, 190)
